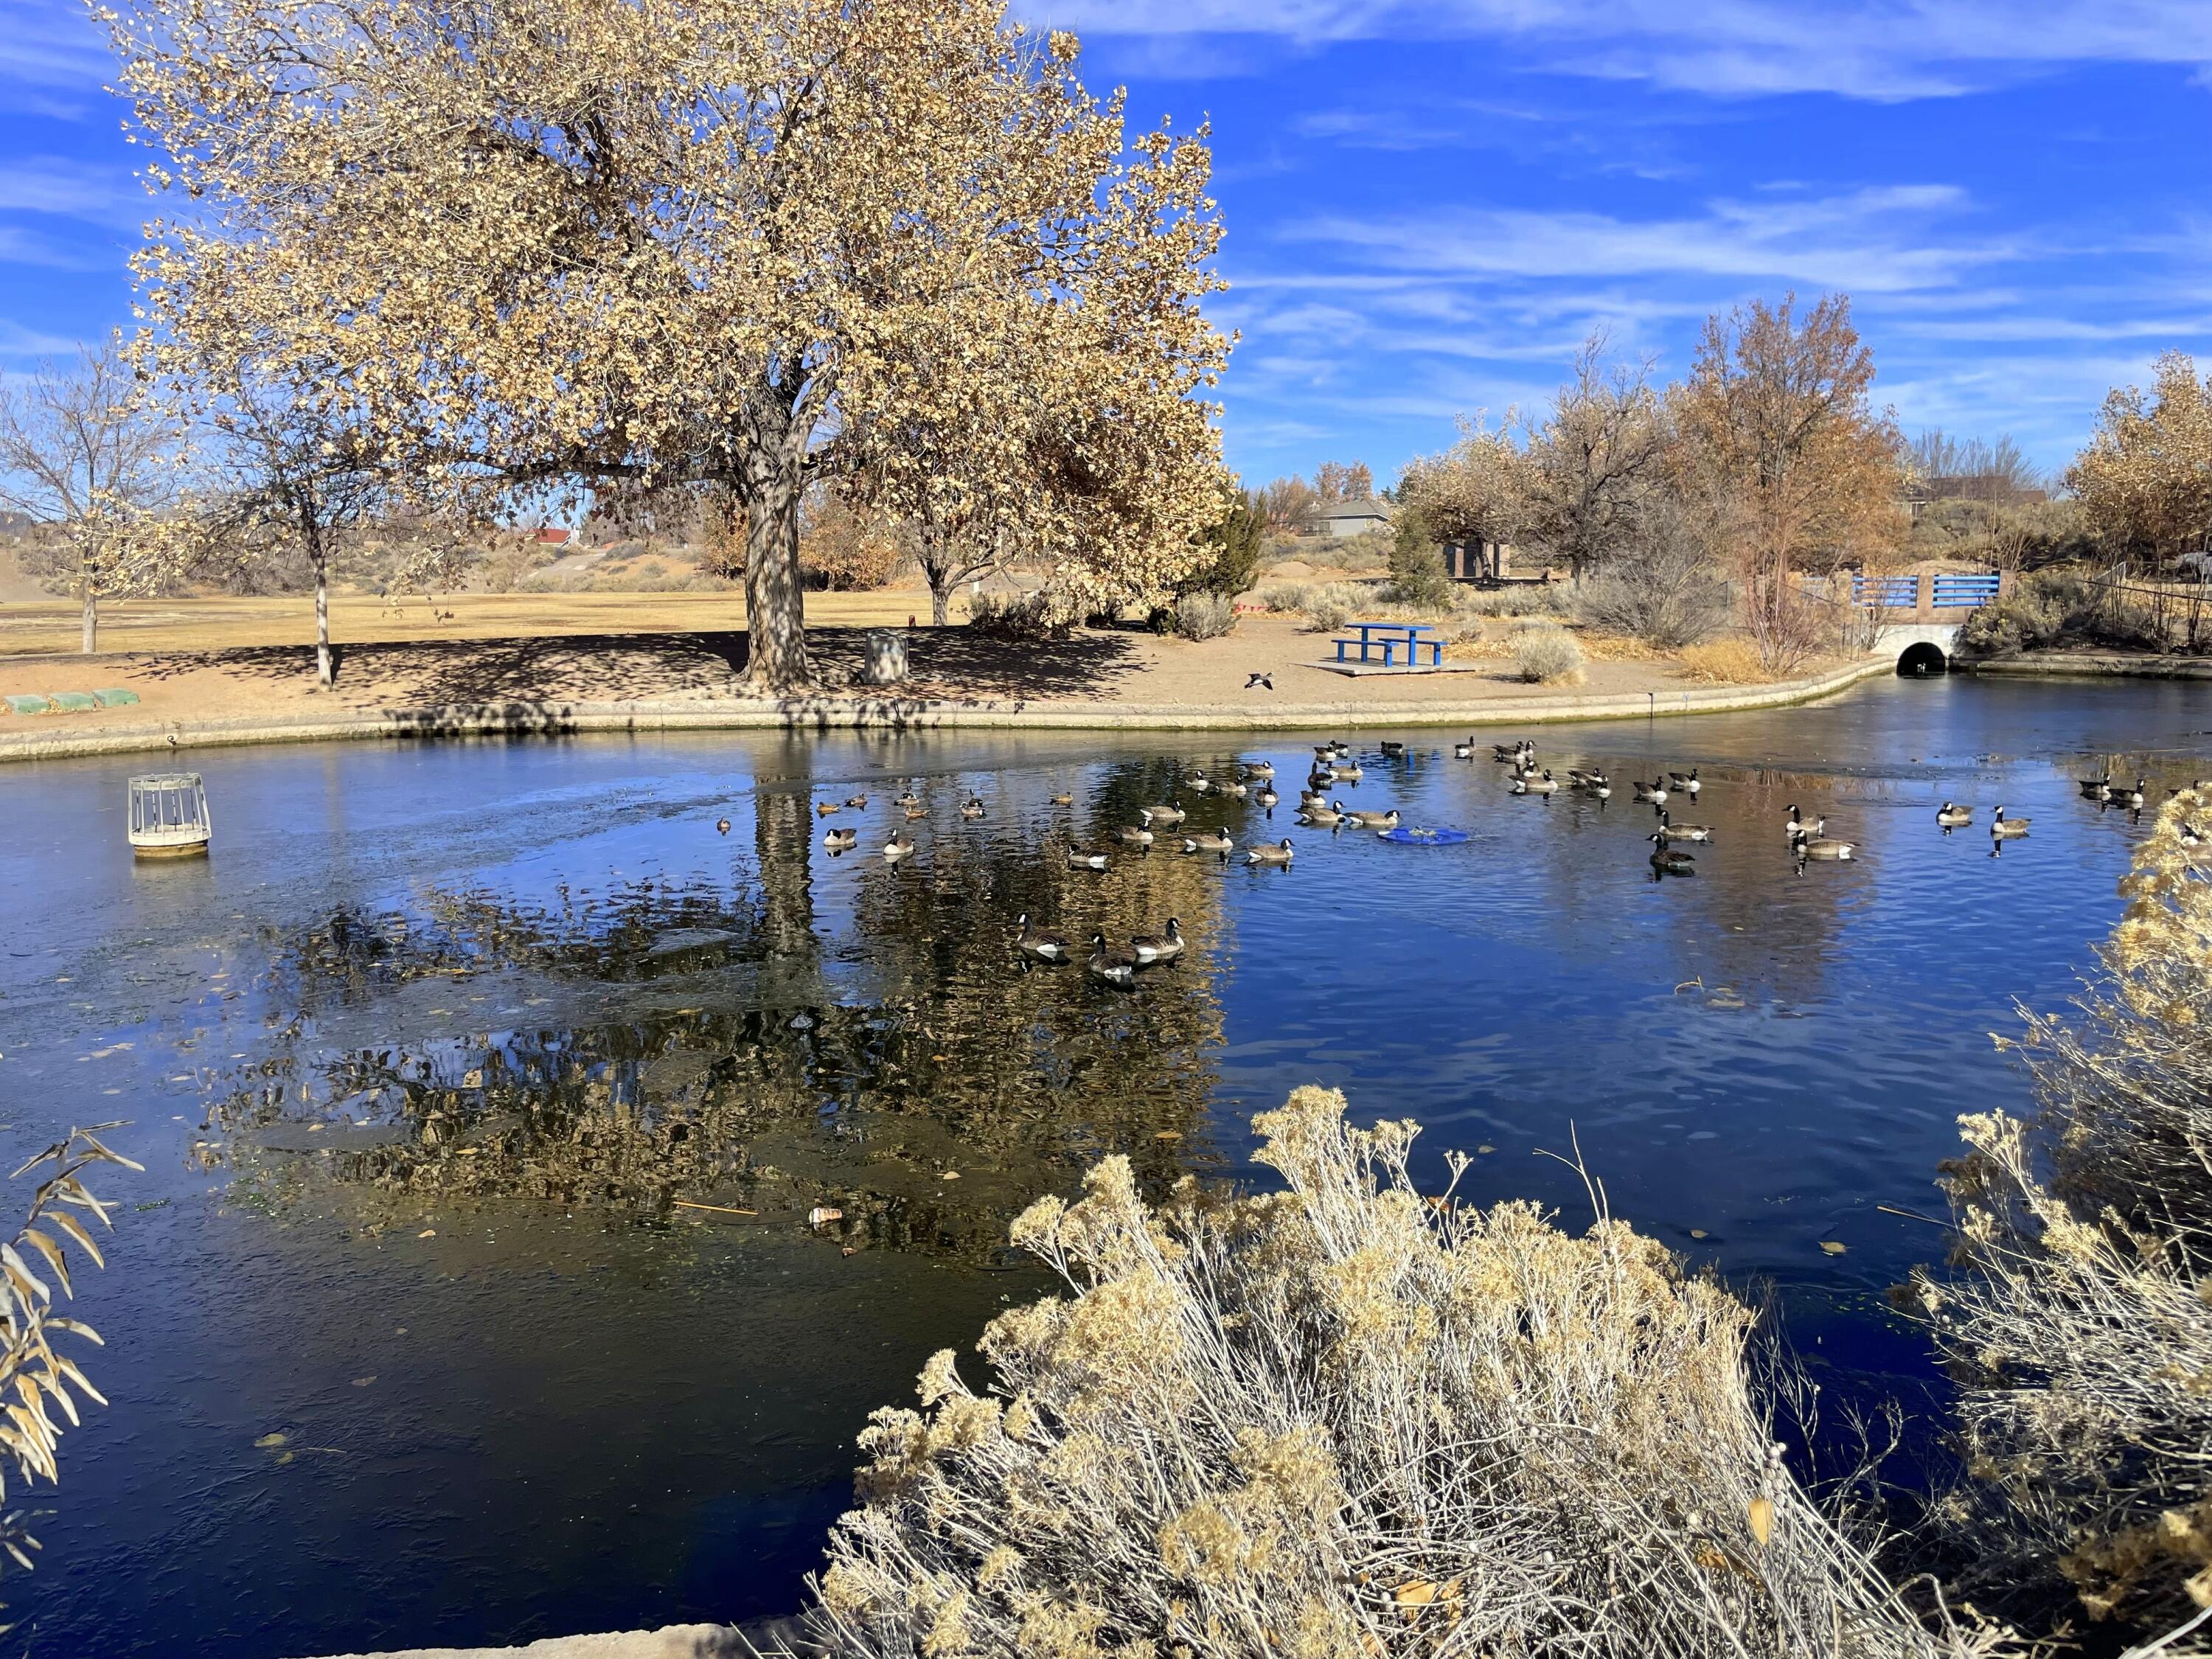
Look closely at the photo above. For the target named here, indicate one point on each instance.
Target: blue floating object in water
(1406, 837)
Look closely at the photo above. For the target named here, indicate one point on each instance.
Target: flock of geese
(1334, 766)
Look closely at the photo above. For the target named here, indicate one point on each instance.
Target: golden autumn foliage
(2145, 479)
(539, 243)
(1347, 1418)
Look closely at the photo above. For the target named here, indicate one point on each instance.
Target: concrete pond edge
(890, 714)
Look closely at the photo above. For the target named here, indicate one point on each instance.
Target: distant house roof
(1367, 508)
(552, 536)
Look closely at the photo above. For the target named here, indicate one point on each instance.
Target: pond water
(434, 1062)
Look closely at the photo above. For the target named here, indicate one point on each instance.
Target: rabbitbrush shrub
(1347, 1420)
(2079, 1324)
(1547, 652)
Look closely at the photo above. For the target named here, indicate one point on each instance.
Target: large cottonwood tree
(547, 243)
(2145, 479)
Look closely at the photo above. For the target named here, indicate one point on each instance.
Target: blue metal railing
(1963, 592)
(1945, 593)
(1891, 592)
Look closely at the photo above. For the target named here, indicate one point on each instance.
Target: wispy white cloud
(62, 187)
(21, 344)
(50, 44)
(1885, 50)
(1880, 239)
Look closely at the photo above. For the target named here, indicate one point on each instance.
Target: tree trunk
(941, 601)
(325, 673)
(775, 605)
(91, 617)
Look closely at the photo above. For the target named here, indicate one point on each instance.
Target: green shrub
(1232, 550)
(1418, 574)
(1546, 653)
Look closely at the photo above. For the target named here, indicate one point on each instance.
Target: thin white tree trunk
(91, 608)
(325, 673)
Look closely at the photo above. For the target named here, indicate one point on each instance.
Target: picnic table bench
(1393, 638)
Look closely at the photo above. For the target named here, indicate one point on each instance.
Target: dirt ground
(196, 660)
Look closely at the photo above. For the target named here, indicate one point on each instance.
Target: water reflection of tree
(768, 1094)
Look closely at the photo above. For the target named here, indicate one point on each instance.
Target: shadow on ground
(626, 667)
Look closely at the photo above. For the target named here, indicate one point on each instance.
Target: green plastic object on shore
(116, 698)
(26, 705)
(72, 702)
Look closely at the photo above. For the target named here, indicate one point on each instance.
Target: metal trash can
(886, 656)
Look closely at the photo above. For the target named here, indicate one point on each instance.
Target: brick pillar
(1925, 605)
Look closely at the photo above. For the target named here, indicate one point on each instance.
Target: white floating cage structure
(169, 815)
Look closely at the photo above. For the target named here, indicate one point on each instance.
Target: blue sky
(1430, 202)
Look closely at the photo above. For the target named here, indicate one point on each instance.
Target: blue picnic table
(1393, 637)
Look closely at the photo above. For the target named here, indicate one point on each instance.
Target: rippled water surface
(485, 1092)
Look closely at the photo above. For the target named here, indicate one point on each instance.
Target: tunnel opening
(1921, 659)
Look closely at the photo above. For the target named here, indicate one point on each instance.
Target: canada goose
(910, 799)
(1134, 835)
(1581, 779)
(858, 802)
(1675, 831)
(1351, 773)
(972, 807)
(1463, 750)
(1669, 862)
(2003, 828)
(841, 841)
(823, 808)
(1542, 783)
(1116, 963)
(1340, 748)
(1324, 753)
(1171, 816)
(1061, 800)
(2130, 797)
(2096, 788)
(1797, 828)
(1268, 798)
(1393, 749)
(1817, 846)
(915, 814)
(1279, 853)
(1198, 782)
(1511, 751)
(1311, 797)
(2190, 834)
(1234, 791)
(722, 826)
(1085, 860)
(901, 845)
(1654, 792)
(1259, 768)
(1033, 942)
(1163, 946)
(1954, 817)
(1327, 817)
(1207, 841)
(1685, 782)
(1373, 820)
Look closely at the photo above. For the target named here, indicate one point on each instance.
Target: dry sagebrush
(1346, 1419)
(2080, 1323)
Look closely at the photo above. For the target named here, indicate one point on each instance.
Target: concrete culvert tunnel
(1922, 658)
